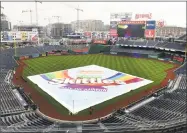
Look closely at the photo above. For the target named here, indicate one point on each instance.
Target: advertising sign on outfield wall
(35, 55)
(100, 42)
(113, 53)
(178, 58)
(136, 55)
(124, 54)
(153, 56)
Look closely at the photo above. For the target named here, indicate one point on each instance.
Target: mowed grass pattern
(145, 68)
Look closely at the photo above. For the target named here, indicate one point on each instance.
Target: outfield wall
(136, 55)
(96, 49)
(160, 56)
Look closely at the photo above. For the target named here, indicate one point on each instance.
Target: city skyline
(174, 13)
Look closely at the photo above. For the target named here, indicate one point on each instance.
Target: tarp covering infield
(82, 87)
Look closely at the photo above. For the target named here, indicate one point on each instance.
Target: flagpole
(73, 106)
(31, 16)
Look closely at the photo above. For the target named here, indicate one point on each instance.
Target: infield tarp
(83, 87)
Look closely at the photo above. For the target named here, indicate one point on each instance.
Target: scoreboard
(19, 36)
(131, 29)
(138, 29)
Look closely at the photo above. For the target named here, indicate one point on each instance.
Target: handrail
(77, 122)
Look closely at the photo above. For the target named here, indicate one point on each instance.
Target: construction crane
(78, 23)
(24, 11)
(78, 10)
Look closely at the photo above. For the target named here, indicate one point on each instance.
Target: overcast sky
(174, 13)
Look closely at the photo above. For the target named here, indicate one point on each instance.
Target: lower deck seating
(9, 103)
(27, 119)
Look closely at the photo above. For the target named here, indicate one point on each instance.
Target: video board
(131, 29)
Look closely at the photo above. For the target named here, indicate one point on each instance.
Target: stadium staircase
(176, 84)
(103, 126)
(140, 104)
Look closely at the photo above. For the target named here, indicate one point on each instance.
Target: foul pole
(73, 106)
(185, 52)
(15, 50)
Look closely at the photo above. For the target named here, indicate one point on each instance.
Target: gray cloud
(174, 13)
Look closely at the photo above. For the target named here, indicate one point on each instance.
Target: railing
(77, 122)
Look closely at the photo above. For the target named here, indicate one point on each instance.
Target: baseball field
(145, 68)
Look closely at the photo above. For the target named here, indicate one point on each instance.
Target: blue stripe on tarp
(116, 76)
(45, 77)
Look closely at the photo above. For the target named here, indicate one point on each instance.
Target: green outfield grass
(145, 68)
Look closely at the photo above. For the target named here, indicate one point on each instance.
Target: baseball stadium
(99, 87)
(121, 85)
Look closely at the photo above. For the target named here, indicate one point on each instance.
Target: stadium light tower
(49, 22)
(24, 11)
(36, 10)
